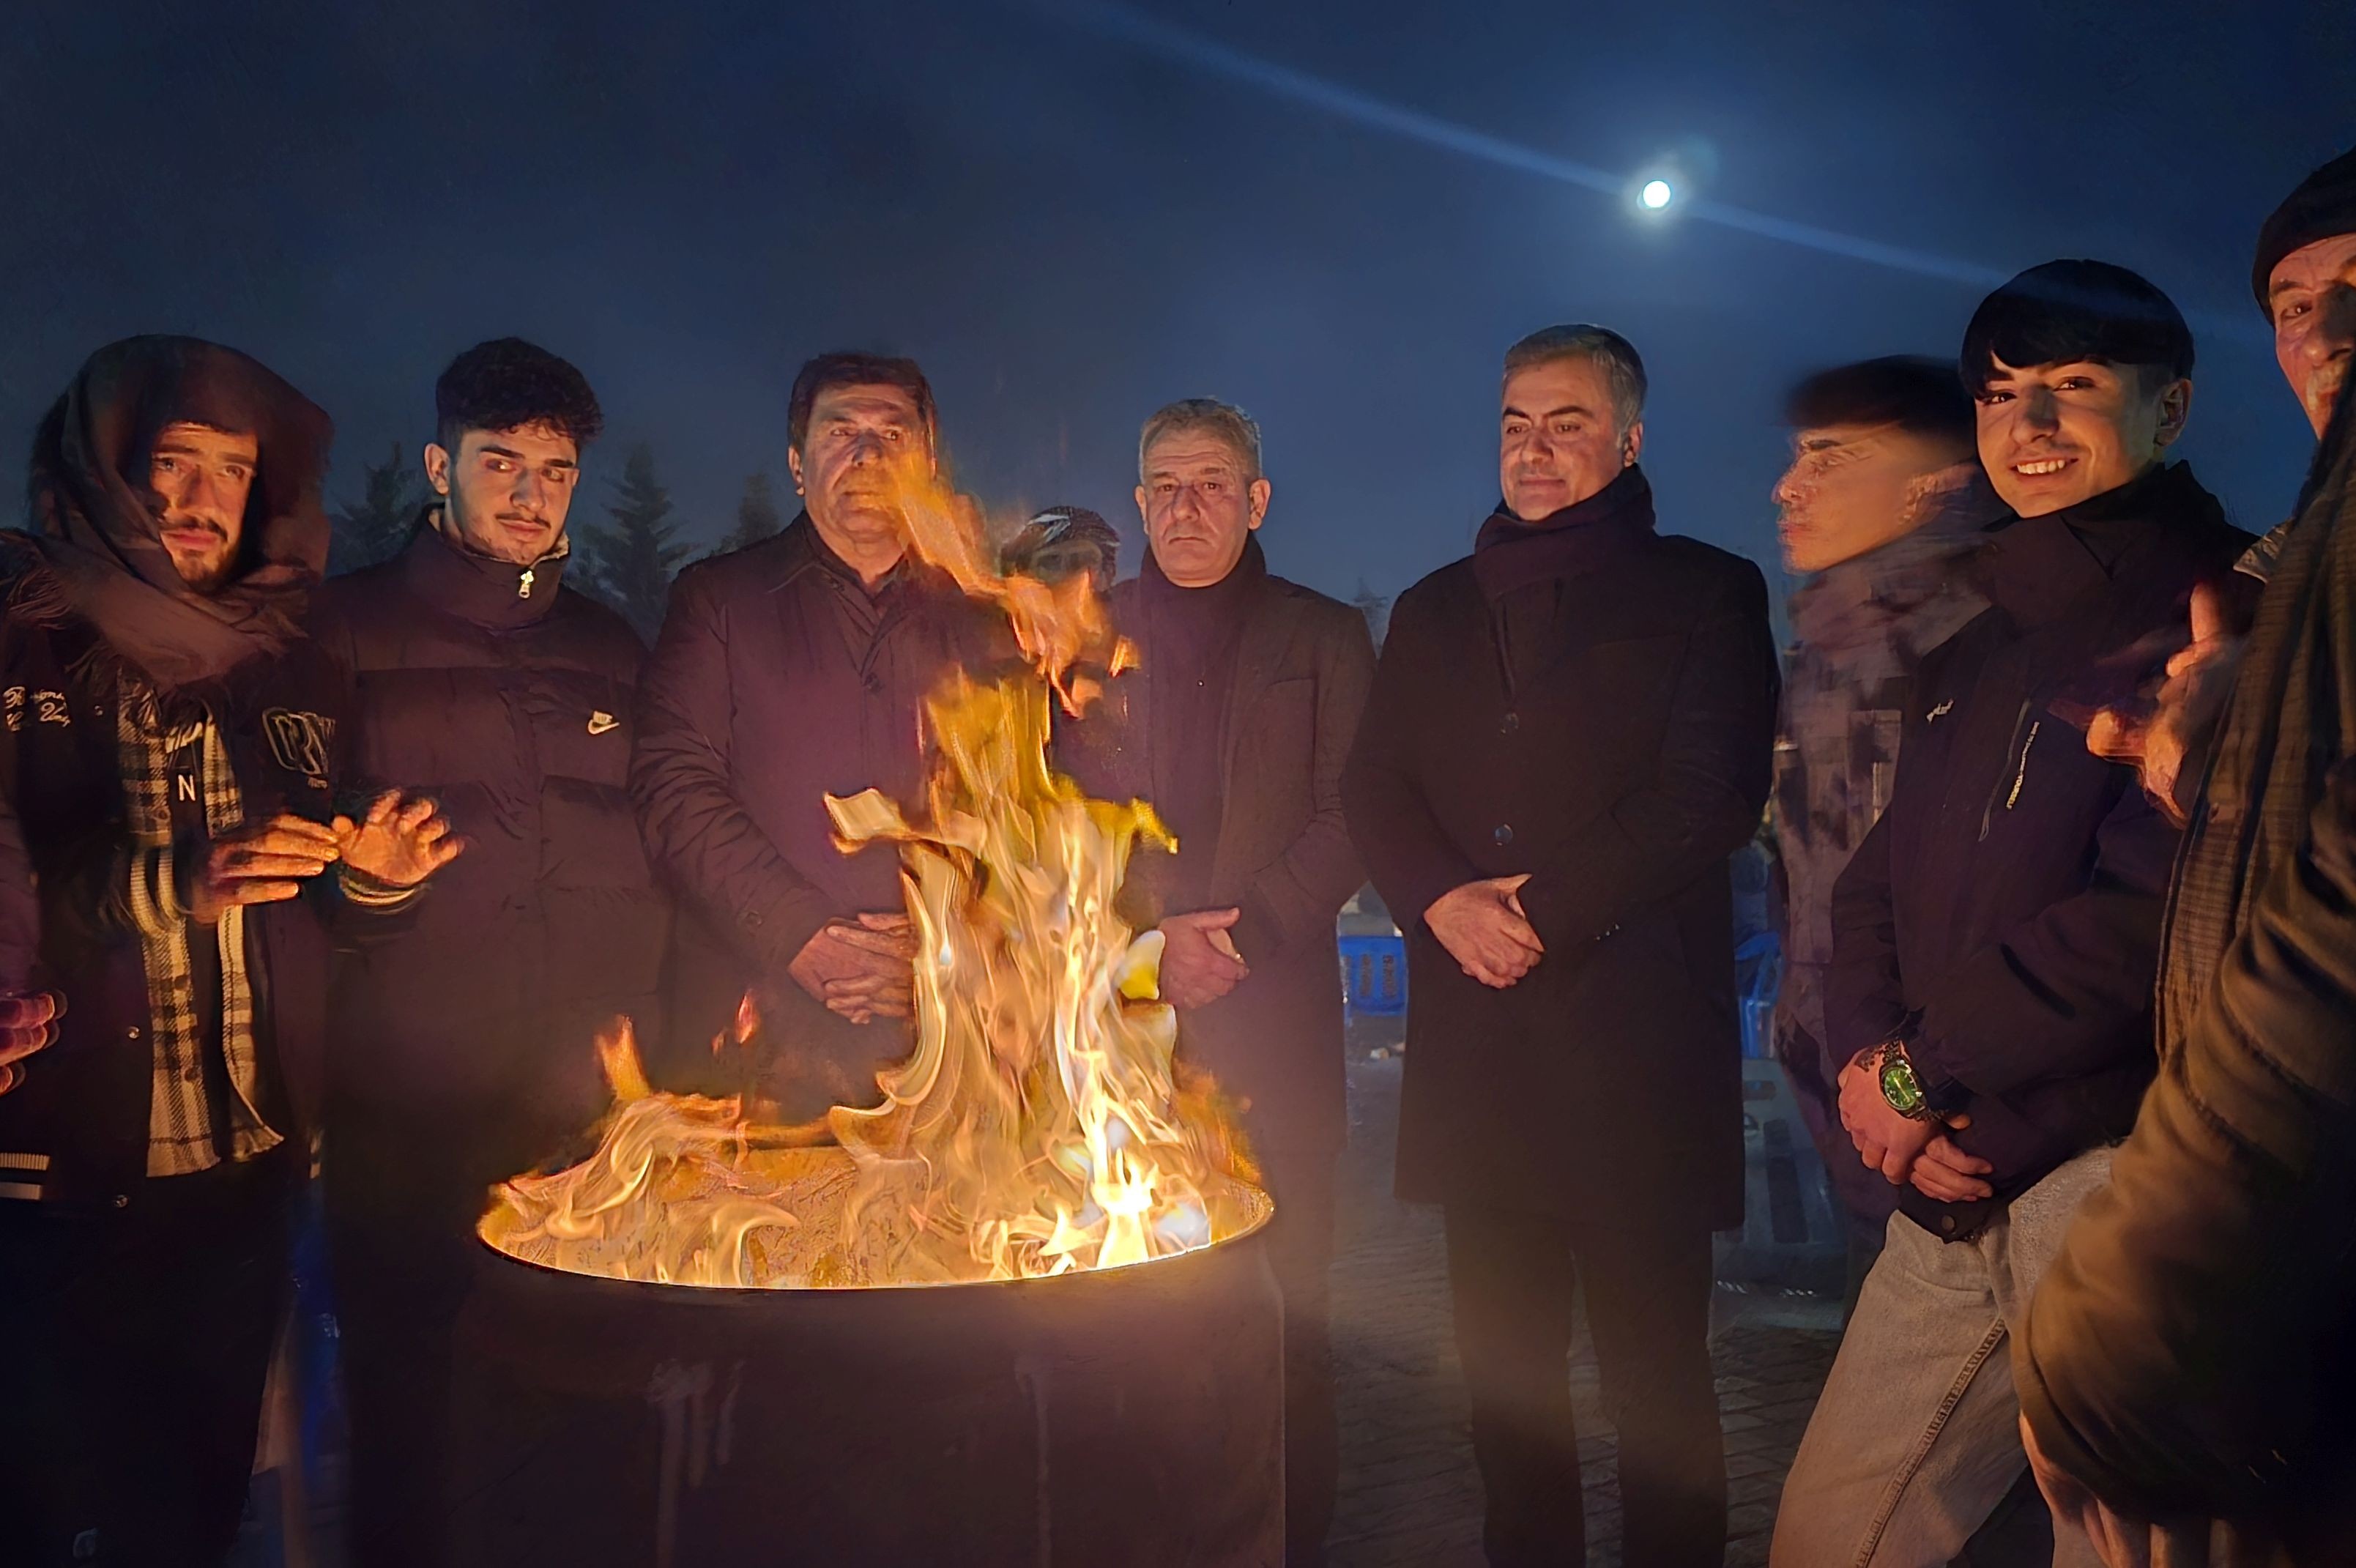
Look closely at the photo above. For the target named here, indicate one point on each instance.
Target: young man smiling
(1995, 937)
(464, 1052)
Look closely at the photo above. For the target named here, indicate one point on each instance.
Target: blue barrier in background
(1759, 975)
(1374, 975)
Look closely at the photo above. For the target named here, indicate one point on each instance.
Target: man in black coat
(465, 1053)
(171, 775)
(1235, 723)
(1570, 734)
(787, 672)
(1995, 935)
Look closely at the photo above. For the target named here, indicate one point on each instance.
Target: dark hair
(1919, 395)
(853, 370)
(1624, 368)
(508, 383)
(1061, 525)
(2070, 310)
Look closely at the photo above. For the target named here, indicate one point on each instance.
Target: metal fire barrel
(1130, 1416)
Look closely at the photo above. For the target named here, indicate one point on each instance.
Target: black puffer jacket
(509, 703)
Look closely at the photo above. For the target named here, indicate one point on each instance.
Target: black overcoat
(758, 704)
(509, 702)
(1282, 854)
(1621, 776)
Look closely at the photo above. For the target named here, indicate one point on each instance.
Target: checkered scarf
(182, 1137)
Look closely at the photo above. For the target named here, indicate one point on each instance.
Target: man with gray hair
(1234, 724)
(1568, 735)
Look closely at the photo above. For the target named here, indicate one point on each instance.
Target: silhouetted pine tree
(376, 527)
(630, 562)
(757, 516)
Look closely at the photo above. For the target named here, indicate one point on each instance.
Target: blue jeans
(1916, 1437)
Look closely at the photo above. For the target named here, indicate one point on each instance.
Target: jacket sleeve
(1408, 857)
(20, 908)
(1708, 789)
(2171, 1358)
(2053, 997)
(1296, 897)
(1865, 991)
(696, 830)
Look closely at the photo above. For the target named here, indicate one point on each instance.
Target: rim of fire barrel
(1257, 1199)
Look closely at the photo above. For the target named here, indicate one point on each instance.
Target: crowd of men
(2061, 797)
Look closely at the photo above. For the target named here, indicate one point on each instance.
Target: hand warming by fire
(1039, 1126)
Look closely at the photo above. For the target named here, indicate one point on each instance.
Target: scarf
(95, 523)
(1510, 553)
(1191, 639)
(2291, 719)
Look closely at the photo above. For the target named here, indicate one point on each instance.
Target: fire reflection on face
(1040, 1126)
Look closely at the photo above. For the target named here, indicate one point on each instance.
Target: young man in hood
(173, 770)
(1995, 938)
(1883, 501)
(477, 670)
(1568, 735)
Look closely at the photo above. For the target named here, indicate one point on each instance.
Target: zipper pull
(523, 584)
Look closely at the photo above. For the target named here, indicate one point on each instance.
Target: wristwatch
(1894, 1071)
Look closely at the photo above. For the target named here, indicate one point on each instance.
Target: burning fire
(1039, 1125)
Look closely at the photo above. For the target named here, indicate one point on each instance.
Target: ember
(1039, 1126)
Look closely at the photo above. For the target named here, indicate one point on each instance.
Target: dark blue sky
(1070, 225)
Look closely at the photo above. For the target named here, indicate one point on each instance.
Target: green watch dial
(1901, 1087)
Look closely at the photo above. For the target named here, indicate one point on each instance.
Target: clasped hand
(862, 968)
(1199, 961)
(1907, 1152)
(1486, 929)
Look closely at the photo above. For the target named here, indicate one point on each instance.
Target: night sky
(1337, 215)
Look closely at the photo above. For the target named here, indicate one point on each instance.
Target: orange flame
(1038, 1127)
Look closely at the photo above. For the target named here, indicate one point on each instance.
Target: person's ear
(1259, 492)
(794, 467)
(1142, 515)
(437, 467)
(2175, 408)
(1632, 446)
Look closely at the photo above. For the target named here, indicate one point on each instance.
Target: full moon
(1657, 194)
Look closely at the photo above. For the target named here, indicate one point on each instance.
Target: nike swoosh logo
(602, 721)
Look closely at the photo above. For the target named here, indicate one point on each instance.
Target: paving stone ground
(1411, 1497)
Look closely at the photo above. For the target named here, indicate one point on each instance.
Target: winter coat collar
(474, 587)
(2039, 567)
(1511, 553)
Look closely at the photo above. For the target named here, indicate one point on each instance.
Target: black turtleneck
(475, 587)
(1190, 652)
(2041, 564)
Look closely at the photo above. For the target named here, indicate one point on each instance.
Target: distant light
(1657, 194)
